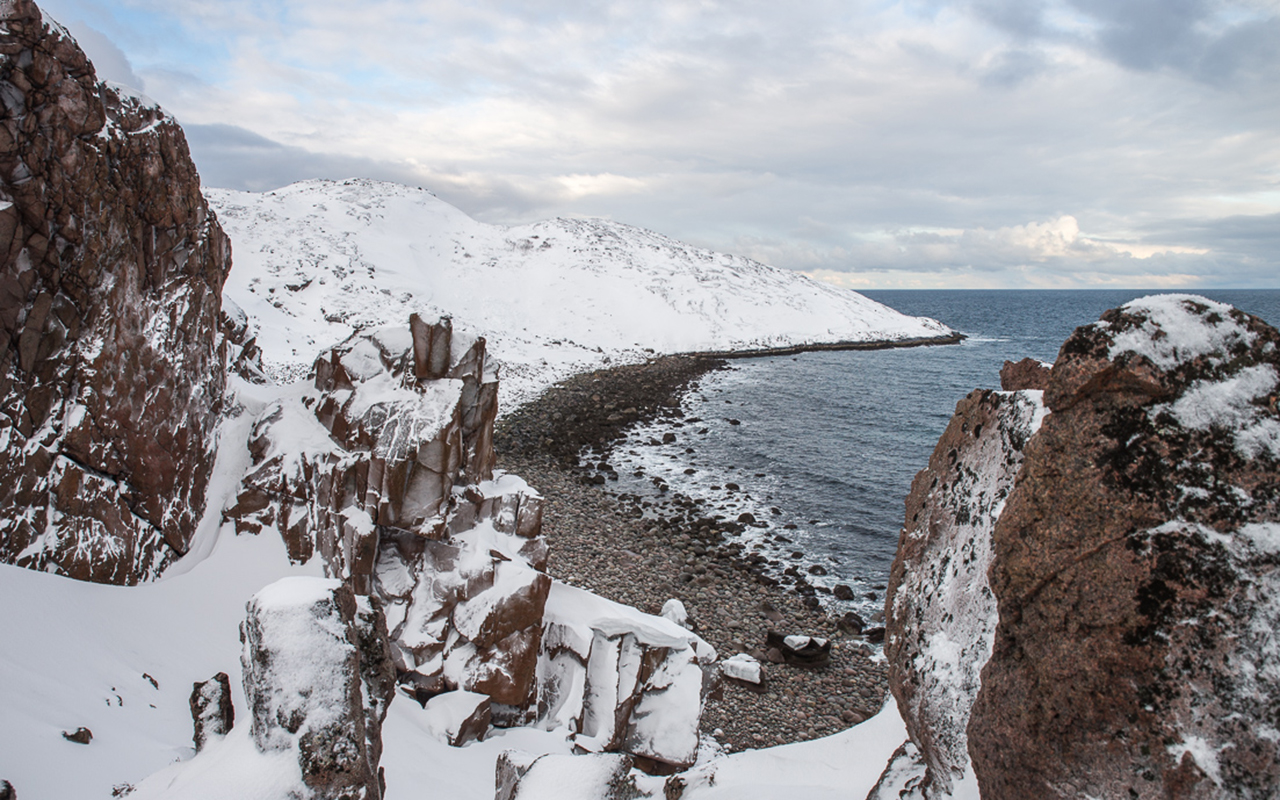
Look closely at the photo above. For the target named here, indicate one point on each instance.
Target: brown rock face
(1136, 568)
(940, 612)
(111, 365)
(1025, 374)
(211, 711)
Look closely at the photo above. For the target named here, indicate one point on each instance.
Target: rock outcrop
(1136, 568)
(318, 678)
(112, 366)
(940, 612)
(212, 714)
(622, 681)
(1125, 626)
(385, 470)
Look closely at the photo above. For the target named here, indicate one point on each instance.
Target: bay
(822, 447)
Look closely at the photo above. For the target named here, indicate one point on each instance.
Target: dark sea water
(832, 440)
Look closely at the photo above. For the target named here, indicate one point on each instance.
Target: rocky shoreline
(643, 553)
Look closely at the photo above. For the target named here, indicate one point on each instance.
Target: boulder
(211, 709)
(621, 680)
(1135, 568)
(940, 612)
(598, 776)
(315, 683)
(458, 717)
(1025, 374)
(112, 358)
(743, 667)
(81, 735)
(799, 650)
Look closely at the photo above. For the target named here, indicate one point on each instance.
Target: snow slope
(317, 260)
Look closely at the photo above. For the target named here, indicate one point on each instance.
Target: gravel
(642, 552)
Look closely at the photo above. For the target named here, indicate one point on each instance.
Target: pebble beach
(643, 552)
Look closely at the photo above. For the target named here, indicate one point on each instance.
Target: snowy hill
(318, 260)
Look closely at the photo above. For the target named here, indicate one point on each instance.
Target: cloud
(109, 61)
(925, 137)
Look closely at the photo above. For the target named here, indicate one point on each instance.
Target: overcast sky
(980, 143)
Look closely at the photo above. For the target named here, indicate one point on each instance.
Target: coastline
(642, 553)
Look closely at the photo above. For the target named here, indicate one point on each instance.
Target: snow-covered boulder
(316, 678)
(1135, 568)
(622, 680)
(212, 714)
(1105, 627)
(743, 667)
(458, 717)
(596, 776)
(112, 366)
(940, 613)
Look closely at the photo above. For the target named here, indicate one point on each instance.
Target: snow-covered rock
(742, 667)
(1135, 568)
(622, 680)
(112, 367)
(212, 712)
(318, 260)
(596, 776)
(1098, 620)
(940, 612)
(458, 717)
(316, 684)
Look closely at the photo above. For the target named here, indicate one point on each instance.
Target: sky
(871, 144)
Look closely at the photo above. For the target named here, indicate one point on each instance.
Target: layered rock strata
(318, 678)
(111, 363)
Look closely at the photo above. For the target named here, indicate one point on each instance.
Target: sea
(821, 448)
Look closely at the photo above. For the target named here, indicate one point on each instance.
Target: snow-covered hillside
(317, 260)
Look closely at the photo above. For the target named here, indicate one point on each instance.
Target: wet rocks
(112, 360)
(211, 711)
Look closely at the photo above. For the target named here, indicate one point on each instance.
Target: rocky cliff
(111, 365)
(1133, 568)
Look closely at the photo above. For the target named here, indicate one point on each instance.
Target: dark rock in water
(850, 622)
(81, 735)
(1135, 568)
(668, 438)
(873, 635)
(316, 682)
(112, 362)
(211, 709)
(1025, 374)
(842, 591)
(747, 517)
